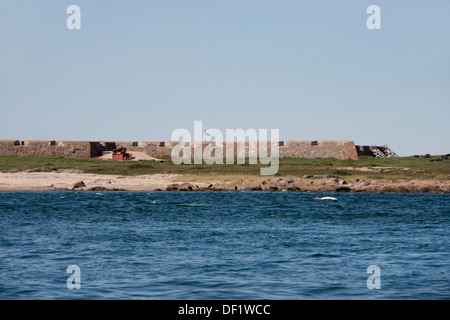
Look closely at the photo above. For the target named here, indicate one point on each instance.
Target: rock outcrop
(325, 184)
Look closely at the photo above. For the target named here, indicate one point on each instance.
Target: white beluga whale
(327, 198)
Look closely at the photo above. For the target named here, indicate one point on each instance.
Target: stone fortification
(161, 150)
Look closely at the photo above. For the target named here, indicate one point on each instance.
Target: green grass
(401, 168)
(406, 168)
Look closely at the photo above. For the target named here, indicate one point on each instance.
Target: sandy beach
(76, 180)
(66, 179)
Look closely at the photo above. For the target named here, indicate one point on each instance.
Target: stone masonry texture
(161, 150)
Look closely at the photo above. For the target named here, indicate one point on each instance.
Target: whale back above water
(327, 198)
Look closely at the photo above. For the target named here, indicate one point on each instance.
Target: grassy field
(403, 168)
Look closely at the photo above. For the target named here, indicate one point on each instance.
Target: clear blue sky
(137, 70)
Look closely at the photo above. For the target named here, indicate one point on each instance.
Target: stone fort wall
(46, 148)
(161, 150)
(292, 149)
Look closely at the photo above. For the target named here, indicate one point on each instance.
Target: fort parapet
(161, 150)
(47, 148)
(320, 149)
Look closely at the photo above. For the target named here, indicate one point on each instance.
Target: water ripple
(181, 245)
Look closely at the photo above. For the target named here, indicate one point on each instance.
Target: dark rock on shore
(98, 188)
(191, 187)
(79, 184)
(343, 189)
(325, 184)
(47, 169)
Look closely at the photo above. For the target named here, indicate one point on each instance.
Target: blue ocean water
(223, 245)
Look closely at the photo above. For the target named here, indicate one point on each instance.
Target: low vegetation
(402, 168)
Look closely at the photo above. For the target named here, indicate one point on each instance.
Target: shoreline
(73, 180)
